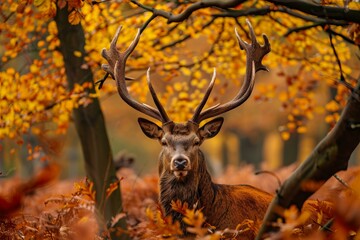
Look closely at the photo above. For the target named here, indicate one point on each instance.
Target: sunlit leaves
(181, 56)
(112, 188)
(75, 17)
(22, 108)
(46, 7)
(354, 32)
(33, 89)
(162, 225)
(86, 189)
(195, 219)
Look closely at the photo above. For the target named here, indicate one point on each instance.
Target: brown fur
(224, 206)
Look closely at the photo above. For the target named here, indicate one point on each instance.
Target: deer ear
(212, 128)
(150, 129)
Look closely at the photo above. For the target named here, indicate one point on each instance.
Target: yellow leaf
(52, 28)
(285, 136)
(58, 59)
(177, 86)
(283, 97)
(291, 125)
(186, 71)
(302, 129)
(10, 71)
(183, 95)
(74, 17)
(34, 68)
(77, 54)
(41, 44)
(329, 119)
(197, 74)
(38, 3)
(47, 7)
(332, 106)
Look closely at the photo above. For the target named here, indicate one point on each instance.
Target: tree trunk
(330, 156)
(291, 149)
(251, 148)
(90, 125)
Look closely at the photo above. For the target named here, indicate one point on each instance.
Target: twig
(342, 78)
(341, 181)
(148, 22)
(102, 81)
(327, 226)
(190, 9)
(302, 28)
(272, 174)
(346, 39)
(185, 37)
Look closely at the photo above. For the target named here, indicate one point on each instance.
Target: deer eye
(196, 142)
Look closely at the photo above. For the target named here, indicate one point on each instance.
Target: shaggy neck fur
(196, 189)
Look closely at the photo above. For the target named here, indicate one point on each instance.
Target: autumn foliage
(68, 212)
(30, 35)
(310, 55)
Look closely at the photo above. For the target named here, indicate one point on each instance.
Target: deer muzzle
(180, 165)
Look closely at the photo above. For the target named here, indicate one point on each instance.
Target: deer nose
(180, 163)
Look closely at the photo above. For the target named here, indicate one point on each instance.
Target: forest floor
(46, 208)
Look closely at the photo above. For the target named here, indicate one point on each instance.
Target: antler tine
(235, 102)
(205, 98)
(116, 68)
(254, 55)
(255, 48)
(161, 109)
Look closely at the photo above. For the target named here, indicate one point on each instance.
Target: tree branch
(185, 37)
(311, 8)
(342, 78)
(245, 12)
(346, 39)
(330, 156)
(192, 8)
(324, 12)
(302, 28)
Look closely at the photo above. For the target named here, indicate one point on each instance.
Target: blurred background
(291, 109)
(251, 134)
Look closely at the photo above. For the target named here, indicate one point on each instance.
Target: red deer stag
(182, 167)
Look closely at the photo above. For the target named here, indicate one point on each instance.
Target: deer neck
(195, 190)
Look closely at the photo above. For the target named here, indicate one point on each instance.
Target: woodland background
(314, 65)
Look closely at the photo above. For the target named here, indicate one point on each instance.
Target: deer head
(180, 141)
(180, 144)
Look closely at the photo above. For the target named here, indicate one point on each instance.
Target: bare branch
(342, 78)
(346, 39)
(330, 156)
(302, 28)
(185, 37)
(225, 4)
(327, 13)
(320, 11)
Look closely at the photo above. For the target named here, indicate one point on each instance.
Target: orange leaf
(113, 186)
(74, 17)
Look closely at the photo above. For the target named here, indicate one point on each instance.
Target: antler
(254, 56)
(116, 68)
